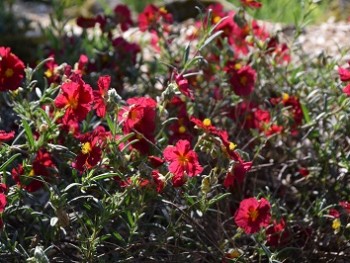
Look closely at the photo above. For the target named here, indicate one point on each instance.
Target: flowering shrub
(231, 147)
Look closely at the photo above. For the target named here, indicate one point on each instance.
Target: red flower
(204, 125)
(243, 80)
(253, 214)
(3, 202)
(276, 234)
(76, 98)
(6, 136)
(11, 70)
(345, 205)
(139, 117)
(344, 74)
(91, 152)
(51, 73)
(123, 17)
(159, 180)
(155, 161)
(217, 12)
(251, 3)
(237, 174)
(41, 166)
(304, 171)
(184, 86)
(183, 161)
(100, 95)
(86, 22)
(346, 90)
(126, 52)
(295, 110)
(151, 16)
(334, 213)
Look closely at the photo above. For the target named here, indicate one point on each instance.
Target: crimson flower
(91, 148)
(251, 3)
(6, 136)
(344, 74)
(346, 90)
(155, 161)
(159, 180)
(41, 166)
(3, 200)
(304, 171)
(100, 95)
(237, 174)
(243, 80)
(277, 235)
(205, 125)
(151, 16)
(139, 117)
(86, 22)
(253, 214)
(51, 72)
(123, 17)
(184, 86)
(345, 205)
(89, 156)
(334, 213)
(183, 161)
(11, 70)
(75, 98)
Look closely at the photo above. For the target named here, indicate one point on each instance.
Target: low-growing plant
(212, 141)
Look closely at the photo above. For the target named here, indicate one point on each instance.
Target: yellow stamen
(163, 10)
(73, 103)
(31, 173)
(216, 19)
(48, 73)
(182, 129)
(237, 66)
(243, 80)
(183, 160)
(9, 73)
(285, 96)
(207, 122)
(336, 224)
(232, 146)
(253, 214)
(86, 148)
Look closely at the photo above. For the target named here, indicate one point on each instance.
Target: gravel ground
(329, 37)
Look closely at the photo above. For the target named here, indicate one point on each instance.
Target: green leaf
(5, 164)
(29, 133)
(210, 39)
(218, 198)
(104, 176)
(305, 113)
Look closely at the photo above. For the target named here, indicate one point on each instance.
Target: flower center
(232, 146)
(9, 72)
(207, 122)
(86, 148)
(216, 19)
(183, 160)
(133, 115)
(182, 129)
(73, 103)
(31, 173)
(253, 214)
(243, 80)
(48, 73)
(237, 66)
(285, 97)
